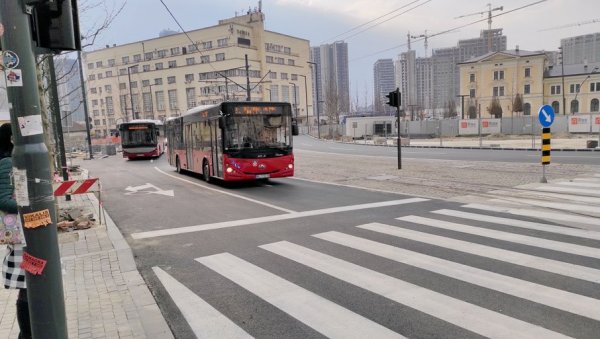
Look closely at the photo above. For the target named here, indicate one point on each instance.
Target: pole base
(543, 180)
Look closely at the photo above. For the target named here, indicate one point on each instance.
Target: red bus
(142, 138)
(233, 141)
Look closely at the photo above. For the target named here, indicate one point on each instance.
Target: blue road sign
(546, 115)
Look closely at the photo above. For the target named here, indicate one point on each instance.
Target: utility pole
(85, 106)
(462, 104)
(31, 175)
(247, 79)
(317, 91)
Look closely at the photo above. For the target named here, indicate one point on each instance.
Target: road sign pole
(32, 178)
(546, 118)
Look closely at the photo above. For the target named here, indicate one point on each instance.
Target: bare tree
(472, 112)
(495, 108)
(518, 103)
(450, 111)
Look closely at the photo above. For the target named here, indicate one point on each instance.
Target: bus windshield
(258, 132)
(138, 135)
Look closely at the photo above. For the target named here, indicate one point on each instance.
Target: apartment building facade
(164, 77)
(581, 49)
(333, 78)
(384, 81)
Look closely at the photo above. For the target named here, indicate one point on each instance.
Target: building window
(280, 61)
(171, 80)
(123, 102)
(284, 76)
(108, 88)
(111, 62)
(172, 64)
(93, 90)
(100, 76)
(146, 68)
(498, 75)
(98, 64)
(172, 99)
(160, 100)
(527, 89)
(471, 77)
(145, 83)
(273, 75)
(162, 53)
(555, 89)
(110, 107)
(175, 51)
(274, 92)
(291, 62)
(148, 56)
(595, 87)
(472, 93)
(137, 58)
(285, 93)
(108, 74)
(574, 106)
(207, 44)
(528, 72)
(574, 88)
(190, 94)
(269, 59)
(222, 42)
(556, 107)
(189, 78)
(594, 105)
(294, 77)
(158, 65)
(220, 56)
(95, 102)
(189, 61)
(158, 81)
(136, 104)
(91, 65)
(204, 59)
(527, 109)
(192, 48)
(125, 59)
(133, 84)
(147, 102)
(122, 85)
(92, 77)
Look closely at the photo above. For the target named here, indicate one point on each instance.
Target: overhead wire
(450, 30)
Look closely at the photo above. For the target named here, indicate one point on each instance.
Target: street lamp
(317, 91)
(295, 100)
(130, 93)
(562, 73)
(305, 97)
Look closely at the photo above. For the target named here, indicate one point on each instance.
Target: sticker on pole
(10, 59)
(32, 264)
(546, 115)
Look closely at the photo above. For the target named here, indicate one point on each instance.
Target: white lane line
(295, 215)
(537, 214)
(468, 316)
(521, 223)
(322, 315)
(566, 189)
(586, 251)
(521, 259)
(579, 184)
(225, 192)
(204, 320)
(562, 197)
(563, 300)
(550, 204)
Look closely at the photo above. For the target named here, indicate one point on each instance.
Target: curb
(153, 322)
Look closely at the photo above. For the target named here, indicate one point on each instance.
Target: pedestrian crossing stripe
(566, 301)
(324, 316)
(521, 223)
(460, 313)
(506, 236)
(580, 184)
(536, 214)
(549, 204)
(517, 258)
(567, 189)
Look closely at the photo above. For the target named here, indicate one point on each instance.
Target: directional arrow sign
(148, 189)
(546, 115)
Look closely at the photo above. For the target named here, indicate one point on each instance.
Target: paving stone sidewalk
(105, 296)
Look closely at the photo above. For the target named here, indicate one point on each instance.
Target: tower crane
(489, 13)
(425, 36)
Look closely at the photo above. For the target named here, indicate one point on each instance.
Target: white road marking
(144, 190)
(468, 316)
(537, 214)
(521, 259)
(225, 192)
(204, 320)
(317, 312)
(295, 215)
(521, 223)
(579, 184)
(561, 189)
(563, 300)
(585, 251)
(560, 196)
(550, 204)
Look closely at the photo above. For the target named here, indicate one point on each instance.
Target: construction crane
(489, 13)
(421, 36)
(581, 23)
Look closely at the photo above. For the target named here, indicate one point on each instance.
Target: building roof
(576, 69)
(511, 53)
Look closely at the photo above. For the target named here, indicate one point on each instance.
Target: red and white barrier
(76, 187)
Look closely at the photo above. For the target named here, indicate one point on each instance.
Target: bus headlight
(229, 170)
(291, 166)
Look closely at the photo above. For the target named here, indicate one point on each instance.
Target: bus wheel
(178, 165)
(205, 171)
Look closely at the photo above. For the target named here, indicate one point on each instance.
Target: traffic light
(55, 25)
(394, 98)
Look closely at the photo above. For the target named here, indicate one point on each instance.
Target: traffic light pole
(32, 177)
(398, 119)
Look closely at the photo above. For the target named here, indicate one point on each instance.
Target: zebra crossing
(550, 276)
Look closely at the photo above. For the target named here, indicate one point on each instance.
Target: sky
(326, 21)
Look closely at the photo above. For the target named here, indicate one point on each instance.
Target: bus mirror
(157, 133)
(221, 122)
(295, 128)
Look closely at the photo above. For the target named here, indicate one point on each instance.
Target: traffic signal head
(393, 98)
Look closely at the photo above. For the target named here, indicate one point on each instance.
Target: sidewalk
(105, 296)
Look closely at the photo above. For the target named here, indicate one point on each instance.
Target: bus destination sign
(252, 110)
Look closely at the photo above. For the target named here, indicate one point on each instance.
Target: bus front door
(189, 149)
(217, 150)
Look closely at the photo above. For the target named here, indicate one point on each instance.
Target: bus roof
(200, 108)
(142, 121)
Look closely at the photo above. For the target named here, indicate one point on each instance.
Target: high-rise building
(333, 79)
(581, 49)
(384, 83)
(406, 79)
(69, 91)
(475, 47)
(445, 76)
(165, 76)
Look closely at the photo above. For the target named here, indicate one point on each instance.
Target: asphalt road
(287, 259)
(558, 157)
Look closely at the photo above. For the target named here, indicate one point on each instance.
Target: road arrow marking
(143, 188)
